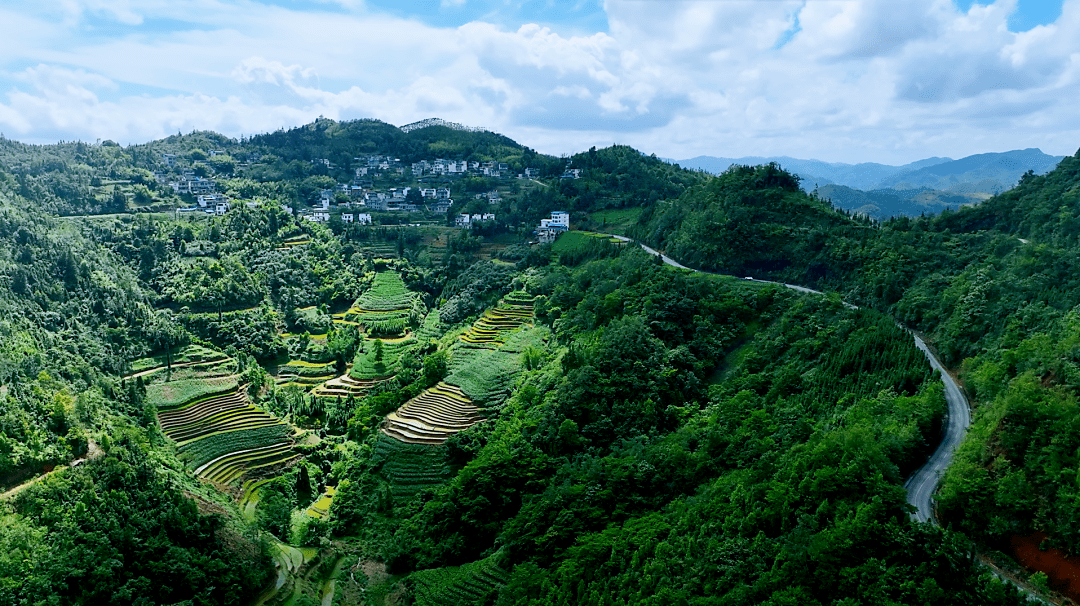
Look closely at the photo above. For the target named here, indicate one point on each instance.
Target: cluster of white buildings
(323, 216)
(550, 228)
(465, 221)
(441, 167)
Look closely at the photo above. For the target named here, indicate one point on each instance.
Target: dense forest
(396, 413)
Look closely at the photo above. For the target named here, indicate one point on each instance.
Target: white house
(461, 221)
(347, 217)
(551, 228)
(440, 207)
(206, 200)
(363, 218)
(221, 208)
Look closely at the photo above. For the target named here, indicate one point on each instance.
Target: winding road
(921, 485)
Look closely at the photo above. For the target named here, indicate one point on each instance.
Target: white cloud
(860, 79)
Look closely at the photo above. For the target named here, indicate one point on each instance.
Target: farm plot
(223, 436)
(176, 393)
(490, 330)
(431, 328)
(433, 416)
(387, 308)
(485, 377)
(474, 583)
(192, 355)
(379, 358)
(343, 387)
(320, 509)
(410, 468)
(304, 374)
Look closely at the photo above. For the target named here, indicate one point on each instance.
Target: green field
(366, 364)
(578, 242)
(410, 468)
(474, 583)
(615, 221)
(177, 393)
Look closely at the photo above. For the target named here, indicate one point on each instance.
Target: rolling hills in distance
(879, 191)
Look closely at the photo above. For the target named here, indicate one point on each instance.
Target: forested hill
(995, 286)
(406, 413)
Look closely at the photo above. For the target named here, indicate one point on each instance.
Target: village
(354, 202)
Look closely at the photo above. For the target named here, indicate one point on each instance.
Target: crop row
(231, 467)
(389, 326)
(231, 459)
(201, 409)
(486, 378)
(201, 451)
(519, 297)
(252, 420)
(174, 394)
(228, 415)
(491, 326)
(367, 366)
(387, 292)
(473, 583)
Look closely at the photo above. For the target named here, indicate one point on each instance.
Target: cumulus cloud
(836, 79)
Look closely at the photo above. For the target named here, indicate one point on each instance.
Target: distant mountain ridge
(988, 173)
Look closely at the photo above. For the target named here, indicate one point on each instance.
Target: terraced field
(410, 468)
(367, 364)
(474, 583)
(343, 387)
(483, 365)
(320, 509)
(432, 327)
(304, 374)
(433, 416)
(484, 376)
(195, 356)
(490, 330)
(224, 436)
(387, 308)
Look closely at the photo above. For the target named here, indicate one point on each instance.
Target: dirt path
(143, 373)
(93, 451)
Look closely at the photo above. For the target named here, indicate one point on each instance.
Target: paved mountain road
(921, 485)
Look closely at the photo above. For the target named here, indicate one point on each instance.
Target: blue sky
(838, 80)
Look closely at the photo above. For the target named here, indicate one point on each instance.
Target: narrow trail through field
(93, 451)
(920, 486)
(150, 371)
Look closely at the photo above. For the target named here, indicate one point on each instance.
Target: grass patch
(410, 468)
(486, 375)
(367, 363)
(178, 393)
(616, 221)
(474, 583)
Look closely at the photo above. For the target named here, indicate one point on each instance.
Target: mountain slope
(991, 173)
(981, 173)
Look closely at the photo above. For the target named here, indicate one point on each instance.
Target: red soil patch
(1062, 569)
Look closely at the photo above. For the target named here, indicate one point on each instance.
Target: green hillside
(514, 423)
